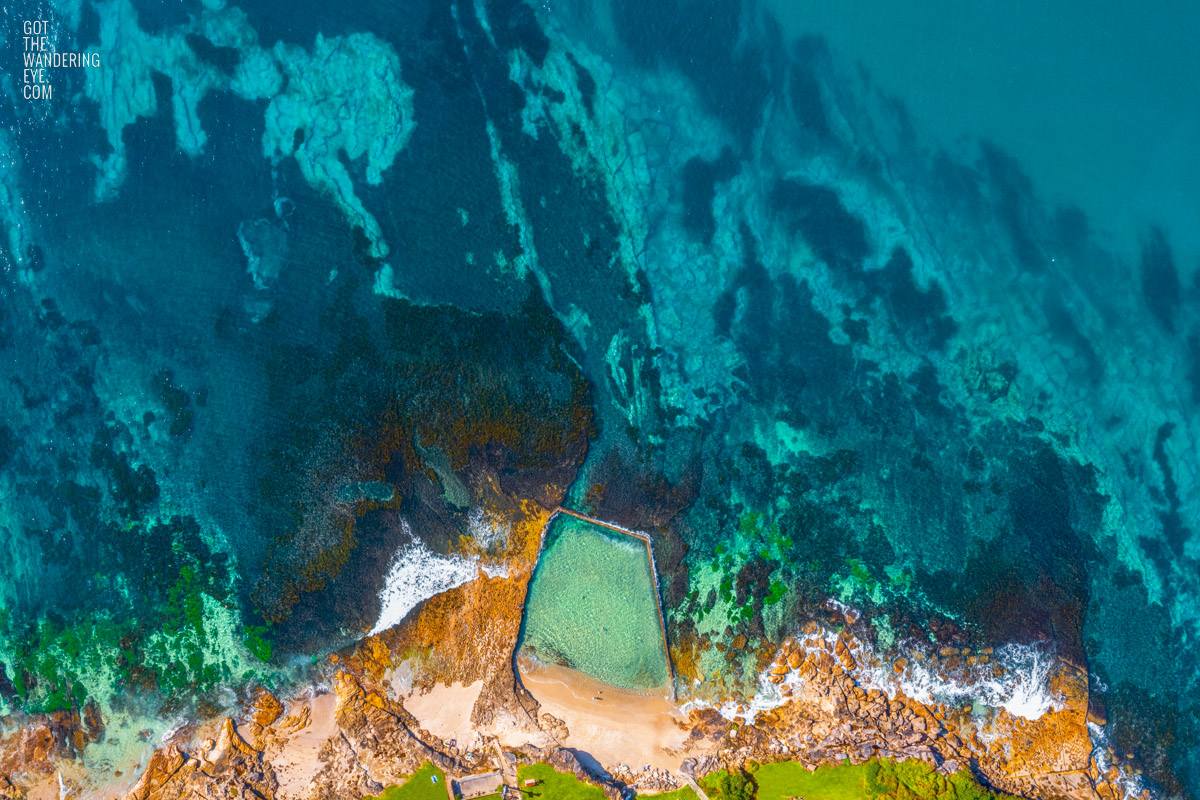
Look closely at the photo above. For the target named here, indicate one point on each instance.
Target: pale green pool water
(591, 607)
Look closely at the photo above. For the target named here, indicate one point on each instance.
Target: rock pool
(591, 607)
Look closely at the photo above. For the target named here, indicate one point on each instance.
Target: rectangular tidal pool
(592, 607)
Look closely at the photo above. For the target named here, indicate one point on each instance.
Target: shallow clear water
(591, 607)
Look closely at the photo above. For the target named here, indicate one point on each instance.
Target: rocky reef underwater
(313, 315)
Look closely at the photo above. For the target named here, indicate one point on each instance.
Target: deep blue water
(897, 308)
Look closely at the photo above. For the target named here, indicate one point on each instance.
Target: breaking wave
(1022, 689)
(1128, 782)
(417, 574)
(488, 532)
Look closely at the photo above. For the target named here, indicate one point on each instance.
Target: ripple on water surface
(591, 607)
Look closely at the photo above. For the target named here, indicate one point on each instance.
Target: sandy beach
(621, 727)
(445, 711)
(295, 756)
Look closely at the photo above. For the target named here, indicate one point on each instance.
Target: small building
(473, 786)
(530, 782)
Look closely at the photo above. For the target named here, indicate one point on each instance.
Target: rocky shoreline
(828, 720)
(370, 740)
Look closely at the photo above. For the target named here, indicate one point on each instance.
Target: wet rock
(264, 708)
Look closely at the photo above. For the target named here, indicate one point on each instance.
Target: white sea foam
(417, 574)
(1026, 692)
(486, 530)
(767, 697)
(173, 730)
(1129, 784)
(498, 570)
(1022, 690)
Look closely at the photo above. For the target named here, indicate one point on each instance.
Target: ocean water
(1093, 99)
(885, 305)
(591, 607)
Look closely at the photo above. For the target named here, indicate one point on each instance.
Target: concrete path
(508, 772)
(695, 786)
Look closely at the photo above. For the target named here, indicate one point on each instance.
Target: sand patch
(100, 784)
(45, 789)
(308, 722)
(621, 727)
(445, 711)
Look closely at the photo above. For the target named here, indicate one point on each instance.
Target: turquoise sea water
(1095, 99)
(591, 607)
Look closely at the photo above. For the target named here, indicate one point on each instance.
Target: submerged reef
(344, 97)
(360, 299)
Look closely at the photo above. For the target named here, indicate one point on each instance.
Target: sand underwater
(311, 314)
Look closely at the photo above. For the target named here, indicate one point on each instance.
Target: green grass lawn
(874, 780)
(418, 787)
(553, 785)
(682, 793)
(789, 779)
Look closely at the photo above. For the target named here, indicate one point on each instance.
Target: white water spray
(417, 574)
